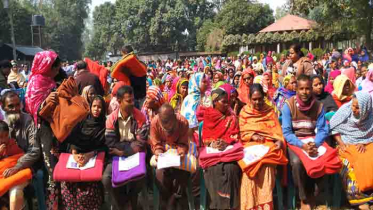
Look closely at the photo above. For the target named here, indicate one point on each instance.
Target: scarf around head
(175, 95)
(367, 84)
(153, 93)
(354, 130)
(243, 90)
(338, 85)
(193, 99)
(329, 87)
(39, 86)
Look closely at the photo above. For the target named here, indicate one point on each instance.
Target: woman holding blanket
(352, 126)
(259, 126)
(86, 140)
(220, 130)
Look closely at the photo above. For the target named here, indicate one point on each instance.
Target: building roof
(289, 23)
(27, 50)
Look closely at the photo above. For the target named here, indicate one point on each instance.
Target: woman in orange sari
(246, 80)
(259, 125)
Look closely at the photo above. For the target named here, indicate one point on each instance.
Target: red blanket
(98, 70)
(329, 163)
(61, 173)
(19, 178)
(210, 159)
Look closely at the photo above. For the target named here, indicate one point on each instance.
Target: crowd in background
(241, 119)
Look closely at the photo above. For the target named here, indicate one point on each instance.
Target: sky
(272, 3)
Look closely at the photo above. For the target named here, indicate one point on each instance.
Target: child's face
(4, 137)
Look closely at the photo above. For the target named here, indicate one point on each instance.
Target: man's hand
(52, 98)
(156, 153)
(10, 172)
(258, 138)
(115, 151)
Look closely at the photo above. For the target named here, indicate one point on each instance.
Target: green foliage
(22, 12)
(214, 40)
(318, 52)
(240, 17)
(232, 53)
(105, 34)
(304, 50)
(202, 33)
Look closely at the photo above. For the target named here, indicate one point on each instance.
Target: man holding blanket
(301, 115)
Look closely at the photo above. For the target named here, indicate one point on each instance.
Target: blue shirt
(291, 138)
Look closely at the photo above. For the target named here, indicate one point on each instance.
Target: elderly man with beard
(301, 115)
(172, 129)
(22, 129)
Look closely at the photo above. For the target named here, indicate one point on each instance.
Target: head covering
(329, 87)
(229, 89)
(286, 80)
(338, 85)
(350, 73)
(116, 88)
(216, 93)
(354, 130)
(39, 86)
(367, 84)
(150, 83)
(85, 92)
(175, 95)
(90, 133)
(243, 90)
(191, 102)
(346, 55)
(154, 93)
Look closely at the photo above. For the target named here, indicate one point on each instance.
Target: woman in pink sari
(45, 67)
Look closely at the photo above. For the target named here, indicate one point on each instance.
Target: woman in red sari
(246, 80)
(220, 129)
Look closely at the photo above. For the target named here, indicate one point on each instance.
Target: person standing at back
(84, 78)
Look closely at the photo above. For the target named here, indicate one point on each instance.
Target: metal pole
(12, 33)
(40, 35)
(32, 36)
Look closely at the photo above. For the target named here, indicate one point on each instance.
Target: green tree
(65, 23)
(338, 16)
(240, 16)
(22, 12)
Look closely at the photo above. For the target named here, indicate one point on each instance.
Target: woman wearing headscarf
(236, 79)
(89, 93)
(198, 84)
(348, 53)
(324, 97)
(367, 84)
(285, 92)
(153, 101)
(350, 73)
(179, 91)
(167, 86)
(267, 99)
(45, 68)
(259, 125)
(85, 141)
(218, 77)
(269, 58)
(352, 128)
(220, 129)
(246, 80)
(267, 81)
(332, 76)
(343, 90)
(232, 98)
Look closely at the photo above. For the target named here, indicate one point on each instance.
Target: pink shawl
(329, 87)
(367, 84)
(350, 73)
(39, 86)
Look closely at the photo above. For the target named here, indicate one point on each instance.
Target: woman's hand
(2, 150)
(52, 98)
(360, 148)
(342, 147)
(278, 144)
(115, 151)
(9, 172)
(258, 138)
(221, 145)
